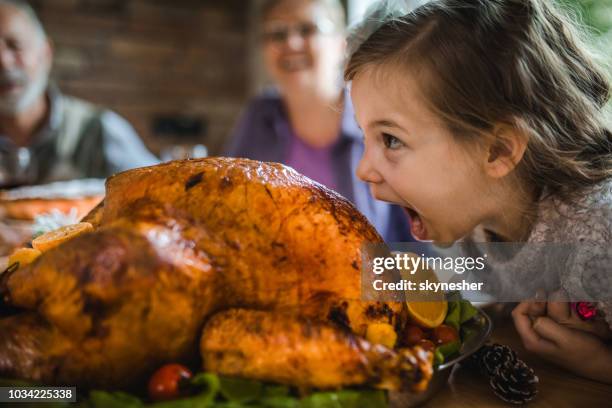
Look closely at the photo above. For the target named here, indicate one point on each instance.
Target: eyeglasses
(278, 33)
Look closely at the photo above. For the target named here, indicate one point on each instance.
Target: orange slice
(428, 314)
(54, 238)
(429, 308)
(23, 256)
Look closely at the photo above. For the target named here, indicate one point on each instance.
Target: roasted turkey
(248, 268)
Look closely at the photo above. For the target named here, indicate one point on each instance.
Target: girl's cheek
(396, 159)
(384, 162)
(390, 157)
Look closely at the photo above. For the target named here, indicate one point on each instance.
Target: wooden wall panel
(144, 58)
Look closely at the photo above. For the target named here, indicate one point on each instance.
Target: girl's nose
(367, 172)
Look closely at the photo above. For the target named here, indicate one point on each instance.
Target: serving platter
(481, 326)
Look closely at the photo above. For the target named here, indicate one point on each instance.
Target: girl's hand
(558, 308)
(576, 350)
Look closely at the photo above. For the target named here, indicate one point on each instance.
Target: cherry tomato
(426, 345)
(444, 334)
(167, 382)
(412, 335)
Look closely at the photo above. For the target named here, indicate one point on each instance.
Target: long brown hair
(517, 62)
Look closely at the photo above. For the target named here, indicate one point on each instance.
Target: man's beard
(13, 104)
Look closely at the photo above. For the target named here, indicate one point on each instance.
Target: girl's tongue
(417, 226)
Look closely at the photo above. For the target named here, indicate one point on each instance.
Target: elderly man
(44, 135)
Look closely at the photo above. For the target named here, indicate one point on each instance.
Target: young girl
(487, 116)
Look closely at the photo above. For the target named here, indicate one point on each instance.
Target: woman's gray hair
(378, 14)
(29, 12)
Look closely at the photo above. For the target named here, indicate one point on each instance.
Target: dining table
(557, 387)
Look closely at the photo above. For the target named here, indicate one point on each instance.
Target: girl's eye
(391, 142)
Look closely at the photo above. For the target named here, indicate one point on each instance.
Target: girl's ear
(505, 151)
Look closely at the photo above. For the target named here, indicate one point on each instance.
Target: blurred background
(596, 16)
(180, 71)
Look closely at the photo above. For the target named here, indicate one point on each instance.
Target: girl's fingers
(551, 330)
(531, 339)
(558, 308)
(522, 308)
(536, 309)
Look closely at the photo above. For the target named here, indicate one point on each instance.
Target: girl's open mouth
(417, 226)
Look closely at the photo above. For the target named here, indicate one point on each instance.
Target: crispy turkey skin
(181, 244)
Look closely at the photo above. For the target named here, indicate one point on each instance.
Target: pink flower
(585, 310)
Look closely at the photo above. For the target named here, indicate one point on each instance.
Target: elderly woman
(307, 121)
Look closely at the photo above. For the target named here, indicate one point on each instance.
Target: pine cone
(514, 382)
(511, 379)
(491, 356)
